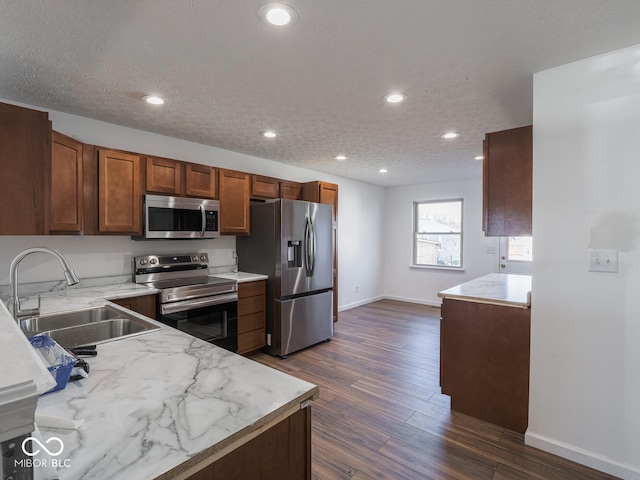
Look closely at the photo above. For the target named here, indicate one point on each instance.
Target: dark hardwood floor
(381, 415)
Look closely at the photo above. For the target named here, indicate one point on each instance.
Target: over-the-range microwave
(181, 217)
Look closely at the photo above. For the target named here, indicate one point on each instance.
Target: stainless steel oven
(190, 300)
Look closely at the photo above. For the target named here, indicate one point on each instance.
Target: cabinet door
(234, 202)
(144, 305)
(163, 176)
(508, 182)
(119, 193)
(264, 187)
(66, 185)
(290, 190)
(200, 181)
(25, 152)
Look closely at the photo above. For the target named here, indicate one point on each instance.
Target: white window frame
(415, 234)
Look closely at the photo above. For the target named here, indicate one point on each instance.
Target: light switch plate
(603, 261)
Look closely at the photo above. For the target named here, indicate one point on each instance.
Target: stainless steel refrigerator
(291, 242)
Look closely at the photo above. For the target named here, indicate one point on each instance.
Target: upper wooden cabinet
(508, 182)
(163, 176)
(290, 190)
(264, 187)
(200, 181)
(234, 202)
(66, 206)
(25, 153)
(119, 193)
(322, 192)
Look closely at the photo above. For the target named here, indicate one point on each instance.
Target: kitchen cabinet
(66, 206)
(200, 181)
(251, 316)
(282, 451)
(508, 182)
(119, 193)
(484, 361)
(234, 202)
(163, 176)
(25, 155)
(290, 190)
(144, 304)
(264, 187)
(324, 192)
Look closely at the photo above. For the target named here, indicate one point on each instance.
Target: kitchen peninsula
(168, 405)
(484, 348)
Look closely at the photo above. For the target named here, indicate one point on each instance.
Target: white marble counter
(242, 277)
(495, 289)
(155, 404)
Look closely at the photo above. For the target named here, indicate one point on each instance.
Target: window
(520, 249)
(437, 233)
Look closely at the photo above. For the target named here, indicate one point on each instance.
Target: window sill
(430, 267)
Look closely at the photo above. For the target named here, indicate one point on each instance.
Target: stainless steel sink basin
(87, 327)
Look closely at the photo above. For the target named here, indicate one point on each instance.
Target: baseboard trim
(413, 300)
(582, 456)
(388, 297)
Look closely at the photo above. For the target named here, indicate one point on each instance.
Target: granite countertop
(242, 277)
(155, 404)
(495, 288)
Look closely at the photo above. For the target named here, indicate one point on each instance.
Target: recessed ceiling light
(450, 135)
(154, 99)
(395, 97)
(383, 170)
(269, 134)
(479, 157)
(341, 157)
(278, 14)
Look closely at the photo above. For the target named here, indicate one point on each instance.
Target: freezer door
(306, 259)
(302, 322)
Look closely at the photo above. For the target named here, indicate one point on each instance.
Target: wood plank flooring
(381, 415)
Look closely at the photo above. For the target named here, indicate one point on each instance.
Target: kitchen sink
(87, 327)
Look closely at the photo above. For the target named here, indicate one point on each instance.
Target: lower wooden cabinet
(484, 361)
(144, 305)
(251, 316)
(282, 452)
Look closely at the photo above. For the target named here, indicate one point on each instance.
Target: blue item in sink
(59, 362)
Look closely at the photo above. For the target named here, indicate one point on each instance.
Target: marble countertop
(158, 403)
(242, 277)
(495, 289)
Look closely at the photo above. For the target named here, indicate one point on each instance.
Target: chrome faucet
(69, 274)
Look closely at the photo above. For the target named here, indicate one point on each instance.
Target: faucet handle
(27, 312)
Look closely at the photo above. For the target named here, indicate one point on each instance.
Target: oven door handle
(193, 304)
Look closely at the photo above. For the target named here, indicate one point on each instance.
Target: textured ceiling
(466, 65)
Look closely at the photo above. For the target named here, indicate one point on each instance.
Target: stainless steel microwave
(178, 217)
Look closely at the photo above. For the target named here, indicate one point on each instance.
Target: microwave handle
(204, 220)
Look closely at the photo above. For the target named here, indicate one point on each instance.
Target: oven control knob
(202, 258)
(153, 261)
(143, 261)
(194, 258)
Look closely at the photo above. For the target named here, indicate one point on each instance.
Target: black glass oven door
(217, 324)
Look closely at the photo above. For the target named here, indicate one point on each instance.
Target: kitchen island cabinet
(168, 405)
(484, 349)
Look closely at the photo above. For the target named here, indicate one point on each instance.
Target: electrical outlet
(603, 261)
(491, 250)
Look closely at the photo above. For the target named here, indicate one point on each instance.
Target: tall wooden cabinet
(25, 153)
(66, 206)
(234, 202)
(508, 182)
(324, 192)
(119, 193)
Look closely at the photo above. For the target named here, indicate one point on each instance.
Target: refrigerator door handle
(307, 247)
(313, 246)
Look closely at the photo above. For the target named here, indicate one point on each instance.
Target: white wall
(585, 334)
(360, 212)
(421, 285)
